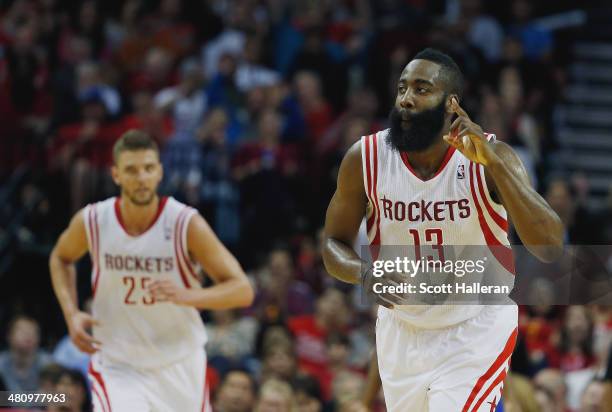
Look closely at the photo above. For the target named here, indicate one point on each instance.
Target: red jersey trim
(183, 247)
(376, 240)
(160, 208)
(177, 245)
(95, 255)
(447, 156)
(501, 222)
(502, 253)
(370, 220)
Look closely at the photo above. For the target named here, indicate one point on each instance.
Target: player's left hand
(166, 290)
(468, 137)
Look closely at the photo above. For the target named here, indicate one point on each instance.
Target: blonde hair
(277, 386)
(519, 392)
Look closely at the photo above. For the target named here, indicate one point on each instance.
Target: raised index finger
(458, 109)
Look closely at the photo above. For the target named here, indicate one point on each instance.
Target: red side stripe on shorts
(97, 394)
(498, 380)
(98, 378)
(177, 235)
(206, 401)
(503, 356)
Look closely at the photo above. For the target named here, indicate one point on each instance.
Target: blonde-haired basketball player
(429, 181)
(146, 250)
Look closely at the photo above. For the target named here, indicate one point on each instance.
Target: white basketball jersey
(453, 207)
(134, 328)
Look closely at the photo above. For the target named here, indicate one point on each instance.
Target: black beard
(421, 132)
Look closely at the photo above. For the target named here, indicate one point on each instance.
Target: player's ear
(115, 174)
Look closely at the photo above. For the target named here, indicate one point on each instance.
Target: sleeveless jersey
(134, 328)
(453, 207)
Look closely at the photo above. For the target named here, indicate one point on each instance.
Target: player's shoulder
(354, 155)
(100, 205)
(96, 210)
(176, 207)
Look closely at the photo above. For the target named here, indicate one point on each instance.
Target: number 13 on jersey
(433, 239)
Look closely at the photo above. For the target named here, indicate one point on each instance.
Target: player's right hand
(79, 326)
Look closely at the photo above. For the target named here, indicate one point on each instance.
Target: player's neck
(427, 162)
(136, 218)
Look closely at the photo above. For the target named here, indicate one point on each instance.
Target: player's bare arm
(232, 288)
(344, 215)
(538, 226)
(70, 247)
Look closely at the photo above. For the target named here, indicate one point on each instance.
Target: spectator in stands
(236, 393)
(480, 30)
(275, 396)
(577, 380)
(272, 333)
(519, 394)
(217, 194)
(577, 220)
(83, 149)
(251, 73)
(230, 339)
(552, 382)
(537, 42)
(337, 352)
(186, 101)
(592, 398)
(279, 362)
(311, 331)
(317, 111)
(21, 364)
(545, 399)
(279, 287)
(576, 346)
(74, 385)
(352, 405)
(49, 376)
(145, 116)
(347, 387)
(307, 394)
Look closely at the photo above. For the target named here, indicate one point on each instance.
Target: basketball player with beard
(433, 180)
(148, 338)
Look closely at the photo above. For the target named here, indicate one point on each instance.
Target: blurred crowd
(253, 104)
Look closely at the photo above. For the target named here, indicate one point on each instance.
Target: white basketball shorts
(176, 387)
(460, 368)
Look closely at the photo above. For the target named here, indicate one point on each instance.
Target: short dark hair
(19, 317)
(133, 140)
(308, 385)
(449, 69)
(240, 370)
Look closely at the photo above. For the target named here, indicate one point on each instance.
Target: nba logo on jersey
(461, 172)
